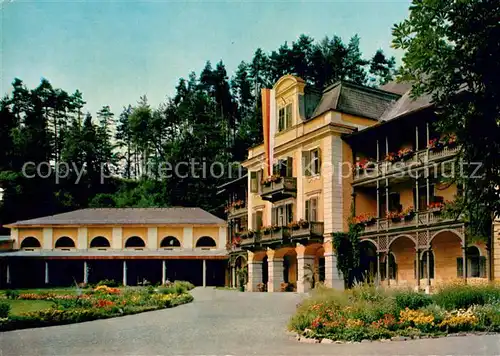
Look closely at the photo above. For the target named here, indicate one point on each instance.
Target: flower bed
(367, 312)
(101, 302)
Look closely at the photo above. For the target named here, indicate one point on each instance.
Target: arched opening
(65, 242)
(367, 262)
(265, 272)
(135, 242)
(170, 242)
(401, 260)
(206, 241)
(99, 242)
(30, 242)
(476, 264)
(290, 271)
(447, 246)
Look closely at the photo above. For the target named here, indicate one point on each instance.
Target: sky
(116, 51)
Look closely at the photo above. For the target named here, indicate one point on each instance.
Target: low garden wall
(368, 312)
(90, 304)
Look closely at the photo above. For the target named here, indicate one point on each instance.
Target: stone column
(163, 271)
(428, 268)
(124, 273)
(204, 273)
(254, 275)
(387, 268)
(8, 278)
(378, 269)
(333, 277)
(85, 272)
(233, 276)
(275, 268)
(47, 281)
(304, 277)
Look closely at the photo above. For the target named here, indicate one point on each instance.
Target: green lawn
(23, 306)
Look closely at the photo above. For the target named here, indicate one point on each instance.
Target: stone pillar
(116, 238)
(254, 275)
(387, 268)
(204, 273)
(304, 276)
(85, 272)
(378, 269)
(47, 281)
(187, 238)
(124, 273)
(233, 276)
(333, 277)
(275, 268)
(47, 239)
(152, 243)
(82, 242)
(8, 278)
(163, 271)
(464, 266)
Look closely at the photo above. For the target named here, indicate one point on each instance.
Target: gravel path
(218, 322)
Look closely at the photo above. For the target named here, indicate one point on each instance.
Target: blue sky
(115, 52)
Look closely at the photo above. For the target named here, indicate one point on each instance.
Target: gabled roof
(406, 104)
(127, 216)
(355, 99)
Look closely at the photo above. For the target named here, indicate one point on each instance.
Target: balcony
(423, 218)
(307, 231)
(237, 210)
(275, 235)
(249, 240)
(416, 160)
(279, 188)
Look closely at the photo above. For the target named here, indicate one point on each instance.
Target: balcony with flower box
(304, 231)
(277, 187)
(274, 235)
(407, 219)
(249, 239)
(236, 209)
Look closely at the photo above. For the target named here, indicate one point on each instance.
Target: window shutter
(319, 161)
(308, 210)
(274, 218)
(460, 267)
(254, 221)
(482, 267)
(258, 225)
(314, 209)
(289, 213)
(253, 182)
(260, 175)
(289, 167)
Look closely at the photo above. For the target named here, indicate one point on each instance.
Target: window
(282, 215)
(285, 117)
(254, 183)
(312, 209)
(394, 203)
(423, 265)
(284, 167)
(312, 162)
(422, 196)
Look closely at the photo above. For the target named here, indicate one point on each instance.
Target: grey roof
(123, 216)
(355, 99)
(116, 253)
(396, 87)
(406, 105)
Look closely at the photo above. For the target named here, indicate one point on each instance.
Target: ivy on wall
(347, 250)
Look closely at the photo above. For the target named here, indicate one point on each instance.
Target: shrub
(412, 300)
(186, 284)
(12, 294)
(464, 296)
(488, 316)
(108, 282)
(4, 309)
(72, 303)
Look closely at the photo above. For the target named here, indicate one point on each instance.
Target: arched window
(170, 241)
(30, 242)
(135, 241)
(65, 242)
(206, 241)
(99, 241)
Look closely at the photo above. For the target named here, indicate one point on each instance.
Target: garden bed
(24, 309)
(371, 313)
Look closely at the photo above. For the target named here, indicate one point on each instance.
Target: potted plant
(304, 224)
(294, 225)
(261, 287)
(391, 157)
(409, 213)
(435, 207)
(276, 228)
(405, 153)
(435, 145)
(284, 286)
(242, 276)
(395, 217)
(451, 141)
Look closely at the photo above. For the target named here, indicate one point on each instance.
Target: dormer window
(285, 117)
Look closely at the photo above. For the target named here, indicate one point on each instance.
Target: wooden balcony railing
(237, 211)
(250, 241)
(422, 157)
(420, 218)
(283, 233)
(283, 188)
(314, 229)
